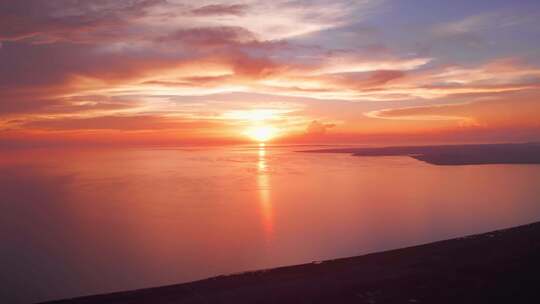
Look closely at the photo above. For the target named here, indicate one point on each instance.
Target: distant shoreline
(495, 267)
(452, 155)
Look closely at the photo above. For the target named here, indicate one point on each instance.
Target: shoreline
(453, 155)
(501, 266)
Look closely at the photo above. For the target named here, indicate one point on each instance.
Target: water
(79, 222)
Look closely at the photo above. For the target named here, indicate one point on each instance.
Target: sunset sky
(166, 72)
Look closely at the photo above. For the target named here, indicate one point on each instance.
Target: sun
(262, 133)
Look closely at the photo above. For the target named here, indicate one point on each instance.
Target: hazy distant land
(524, 153)
(495, 267)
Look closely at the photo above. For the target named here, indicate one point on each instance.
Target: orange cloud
(512, 110)
(151, 66)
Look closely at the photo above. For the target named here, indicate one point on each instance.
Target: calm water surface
(81, 222)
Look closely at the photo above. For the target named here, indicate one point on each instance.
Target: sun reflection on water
(263, 185)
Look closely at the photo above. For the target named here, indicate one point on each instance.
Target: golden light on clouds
(257, 115)
(198, 73)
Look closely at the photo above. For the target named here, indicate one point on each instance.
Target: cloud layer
(175, 67)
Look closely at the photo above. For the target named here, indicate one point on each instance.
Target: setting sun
(262, 133)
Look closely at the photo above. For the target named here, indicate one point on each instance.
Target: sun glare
(262, 133)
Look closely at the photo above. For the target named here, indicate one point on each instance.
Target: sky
(173, 72)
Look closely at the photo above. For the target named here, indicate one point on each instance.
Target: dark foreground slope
(527, 153)
(497, 267)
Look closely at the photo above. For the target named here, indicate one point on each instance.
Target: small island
(452, 155)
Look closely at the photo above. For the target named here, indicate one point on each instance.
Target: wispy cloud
(156, 65)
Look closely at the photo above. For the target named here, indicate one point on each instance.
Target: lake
(84, 221)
